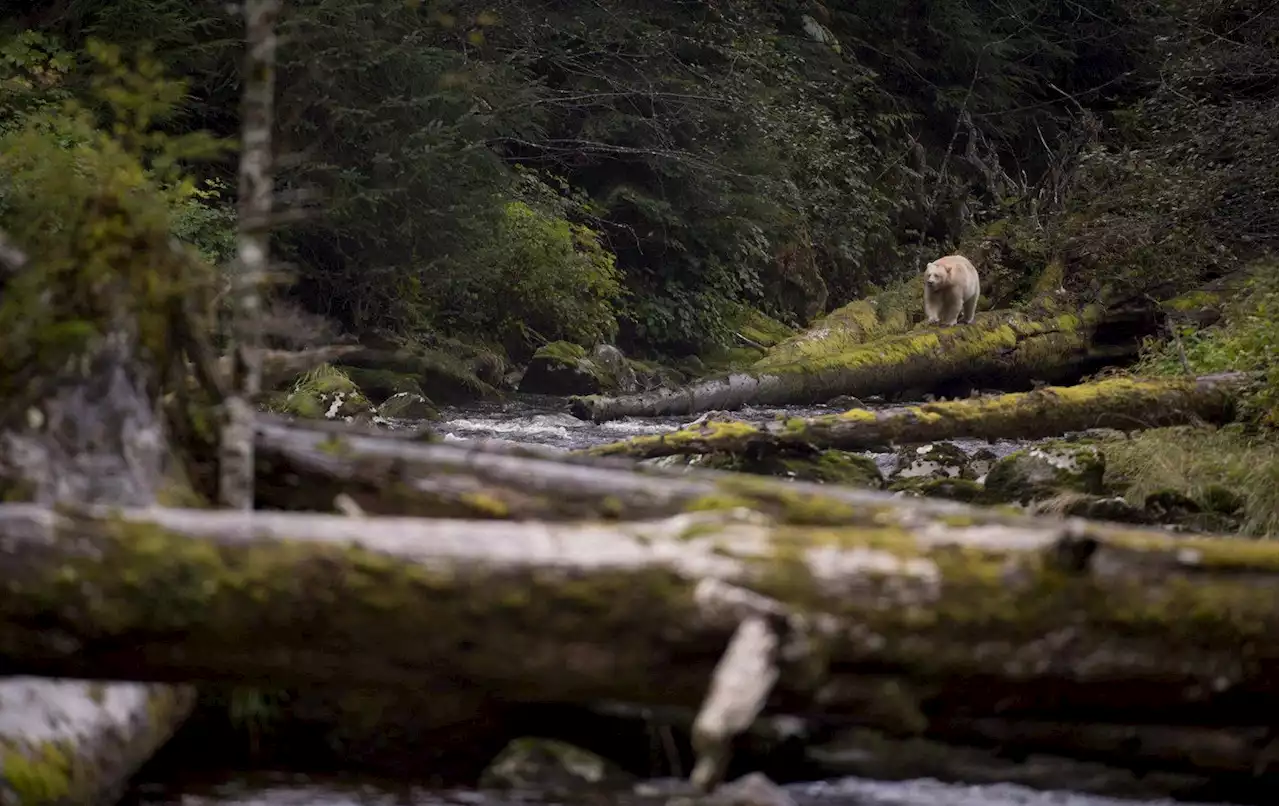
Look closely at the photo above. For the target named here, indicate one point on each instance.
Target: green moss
(324, 391)
(882, 314)
(562, 351)
(763, 330)
(381, 384)
(1192, 301)
(954, 489)
(40, 774)
(857, 415)
(485, 505)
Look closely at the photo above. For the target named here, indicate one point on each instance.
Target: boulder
(551, 766)
(563, 369)
(408, 406)
(1044, 471)
(933, 460)
(77, 742)
(325, 393)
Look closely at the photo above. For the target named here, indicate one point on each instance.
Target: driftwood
(925, 626)
(1119, 403)
(1000, 349)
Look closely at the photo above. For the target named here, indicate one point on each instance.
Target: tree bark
(1000, 349)
(1121, 403)
(235, 459)
(912, 627)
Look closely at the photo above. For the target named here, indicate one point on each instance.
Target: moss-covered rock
(934, 460)
(1045, 471)
(382, 384)
(551, 766)
(408, 406)
(324, 393)
(443, 375)
(76, 742)
(954, 489)
(825, 467)
(561, 368)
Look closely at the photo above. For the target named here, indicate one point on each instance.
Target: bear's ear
(928, 266)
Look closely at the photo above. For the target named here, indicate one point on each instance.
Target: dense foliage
(512, 174)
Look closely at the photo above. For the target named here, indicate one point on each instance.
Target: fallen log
(1121, 403)
(883, 314)
(301, 469)
(955, 617)
(1001, 349)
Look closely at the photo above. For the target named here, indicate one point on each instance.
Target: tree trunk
(923, 628)
(235, 459)
(1000, 349)
(1120, 403)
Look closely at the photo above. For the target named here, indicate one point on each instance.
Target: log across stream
(543, 422)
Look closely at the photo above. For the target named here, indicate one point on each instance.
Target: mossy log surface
(928, 619)
(1121, 403)
(885, 314)
(1000, 349)
(385, 473)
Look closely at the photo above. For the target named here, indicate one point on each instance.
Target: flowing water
(543, 421)
(546, 422)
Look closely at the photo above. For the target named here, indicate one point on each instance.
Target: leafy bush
(555, 280)
(91, 203)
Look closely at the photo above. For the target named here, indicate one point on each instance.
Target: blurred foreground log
(1001, 349)
(1121, 403)
(904, 619)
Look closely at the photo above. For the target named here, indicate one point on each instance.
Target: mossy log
(386, 473)
(884, 314)
(1120, 403)
(929, 620)
(1001, 349)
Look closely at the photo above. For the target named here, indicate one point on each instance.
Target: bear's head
(935, 275)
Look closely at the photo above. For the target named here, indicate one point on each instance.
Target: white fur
(951, 288)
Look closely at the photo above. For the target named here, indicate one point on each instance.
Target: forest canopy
(512, 174)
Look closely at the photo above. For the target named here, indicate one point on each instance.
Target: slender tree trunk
(235, 483)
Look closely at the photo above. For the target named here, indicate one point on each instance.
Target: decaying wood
(1120, 403)
(302, 469)
(235, 460)
(1000, 349)
(971, 618)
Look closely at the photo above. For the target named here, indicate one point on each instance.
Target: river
(543, 421)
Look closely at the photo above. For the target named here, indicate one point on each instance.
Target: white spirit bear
(950, 287)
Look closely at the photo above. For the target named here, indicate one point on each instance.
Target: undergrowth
(1244, 341)
(1205, 465)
